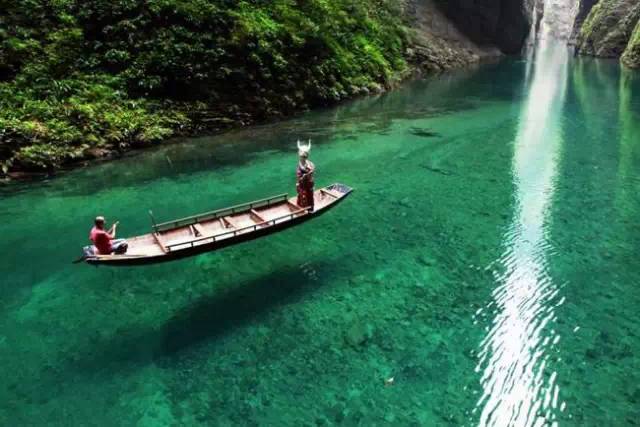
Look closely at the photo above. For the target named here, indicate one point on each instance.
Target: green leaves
(79, 74)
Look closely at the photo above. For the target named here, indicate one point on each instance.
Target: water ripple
(519, 385)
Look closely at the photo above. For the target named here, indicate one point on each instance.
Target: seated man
(105, 241)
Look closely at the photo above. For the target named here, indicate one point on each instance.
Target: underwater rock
(359, 333)
(424, 132)
(337, 412)
(406, 203)
(437, 170)
(424, 260)
(379, 278)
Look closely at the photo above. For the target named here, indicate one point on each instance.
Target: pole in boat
(153, 221)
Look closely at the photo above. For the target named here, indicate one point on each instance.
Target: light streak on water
(519, 386)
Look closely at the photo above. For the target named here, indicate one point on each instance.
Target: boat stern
(341, 189)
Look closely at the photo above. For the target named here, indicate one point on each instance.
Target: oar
(82, 258)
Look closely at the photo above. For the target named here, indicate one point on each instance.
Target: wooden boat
(218, 229)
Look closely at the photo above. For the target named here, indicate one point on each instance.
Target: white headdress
(303, 150)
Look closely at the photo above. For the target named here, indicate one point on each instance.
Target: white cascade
(558, 19)
(530, 44)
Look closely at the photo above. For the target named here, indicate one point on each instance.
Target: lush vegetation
(78, 78)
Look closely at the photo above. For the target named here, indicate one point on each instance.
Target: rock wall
(501, 23)
(631, 56)
(608, 30)
(584, 8)
(455, 33)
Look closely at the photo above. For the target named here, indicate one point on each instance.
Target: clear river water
(484, 273)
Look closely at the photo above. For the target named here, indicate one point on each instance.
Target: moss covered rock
(607, 29)
(631, 57)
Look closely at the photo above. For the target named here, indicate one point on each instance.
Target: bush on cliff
(78, 75)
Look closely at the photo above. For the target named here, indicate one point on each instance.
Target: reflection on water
(629, 125)
(629, 154)
(519, 387)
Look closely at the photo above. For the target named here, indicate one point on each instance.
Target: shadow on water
(209, 318)
(214, 316)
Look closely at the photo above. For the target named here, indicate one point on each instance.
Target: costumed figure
(304, 174)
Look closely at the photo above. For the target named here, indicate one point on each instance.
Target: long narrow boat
(218, 229)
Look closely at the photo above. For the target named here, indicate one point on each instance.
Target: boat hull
(189, 251)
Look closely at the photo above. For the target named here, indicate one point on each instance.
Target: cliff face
(454, 33)
(608, 30)
(584, 7)
(501, 23)
(631, 56)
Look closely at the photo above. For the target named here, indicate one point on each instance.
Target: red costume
(305, 184)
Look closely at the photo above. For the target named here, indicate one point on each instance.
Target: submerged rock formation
(608, 30)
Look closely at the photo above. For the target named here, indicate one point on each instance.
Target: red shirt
(101, 240)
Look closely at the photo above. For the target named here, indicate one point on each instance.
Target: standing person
(105, 241)
(304, 174)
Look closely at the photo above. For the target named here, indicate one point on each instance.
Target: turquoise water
(487, 262)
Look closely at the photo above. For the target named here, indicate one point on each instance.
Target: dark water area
(487, 262)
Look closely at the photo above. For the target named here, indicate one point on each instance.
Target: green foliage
(76, 114)
(76, 75)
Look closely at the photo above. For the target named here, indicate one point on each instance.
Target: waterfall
(530, 45)
(519, 385)
(558, 19)
(556, 25)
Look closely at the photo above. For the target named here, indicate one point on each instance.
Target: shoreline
(99, 155)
